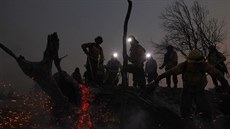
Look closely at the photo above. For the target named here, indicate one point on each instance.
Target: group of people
(193, 71)
(97, 73)
(141, 66)
(137, 57)
(194, 79)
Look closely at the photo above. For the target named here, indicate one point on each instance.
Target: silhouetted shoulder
(87, 44)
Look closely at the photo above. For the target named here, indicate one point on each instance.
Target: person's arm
(221, 63)
(164, 63)
(175, 70)
(155, 65)
(217, 74)
(85, 47)
(139, 54)
(221, 56)
(132, 55)
(101, 60)
(175, 58)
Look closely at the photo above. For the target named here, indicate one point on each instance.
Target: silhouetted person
(95, 59)
(217, 59)
(77, 75)
(170, 61)
(113, 68)
(194, 81)
(100, 75)
(151, 69)
(137, 58)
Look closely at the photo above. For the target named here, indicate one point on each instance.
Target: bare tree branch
(191, 28)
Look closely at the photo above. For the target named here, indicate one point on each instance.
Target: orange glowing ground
(84, 119)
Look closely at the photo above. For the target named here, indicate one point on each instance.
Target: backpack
(194, 77)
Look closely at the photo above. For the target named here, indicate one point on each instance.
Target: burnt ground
(110, 108)
(159, 108)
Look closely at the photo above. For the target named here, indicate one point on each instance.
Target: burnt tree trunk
(125, 59)
(61, 87)
(125, 56)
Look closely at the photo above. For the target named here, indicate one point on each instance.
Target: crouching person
(194, 81)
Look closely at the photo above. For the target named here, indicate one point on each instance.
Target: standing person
(217, 59)
(170, 61)
(194, 81)
(95, 58)
(77, 75)
(113, 68)
(137, 58)
(151, 68)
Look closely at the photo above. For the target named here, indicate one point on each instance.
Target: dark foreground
(107, 108)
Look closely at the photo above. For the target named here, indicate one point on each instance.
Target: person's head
(169, 48)
(195, 56)
(133, 40)
(77, 70)
(98, 40)
(212, 49)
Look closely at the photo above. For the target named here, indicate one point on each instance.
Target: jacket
(170, 60)
(137, 54)
(150, 66)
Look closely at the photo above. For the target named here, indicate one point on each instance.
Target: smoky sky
(25, 24)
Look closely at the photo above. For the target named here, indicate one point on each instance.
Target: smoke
(137, 119)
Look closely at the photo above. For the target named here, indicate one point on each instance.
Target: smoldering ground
(137, 119)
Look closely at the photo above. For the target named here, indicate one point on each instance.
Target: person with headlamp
(137, 59)
(113, 68)
(150, 68)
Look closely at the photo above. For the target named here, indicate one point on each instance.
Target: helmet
(212, 49)
(133, 39)
(195, 55)
(98, 39)
(169, 47)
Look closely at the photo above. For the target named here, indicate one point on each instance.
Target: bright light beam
(148, 55)
(115, 55)
(129, 39)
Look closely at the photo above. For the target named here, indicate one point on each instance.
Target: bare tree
(191, 28)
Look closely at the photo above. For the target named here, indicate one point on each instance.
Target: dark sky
(25, 24)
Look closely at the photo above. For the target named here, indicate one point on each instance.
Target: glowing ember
(13, 101)
(84, 121)
(23, 111)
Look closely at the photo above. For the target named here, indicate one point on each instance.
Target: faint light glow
(13, 101)
(148, 55)
(115, 55)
